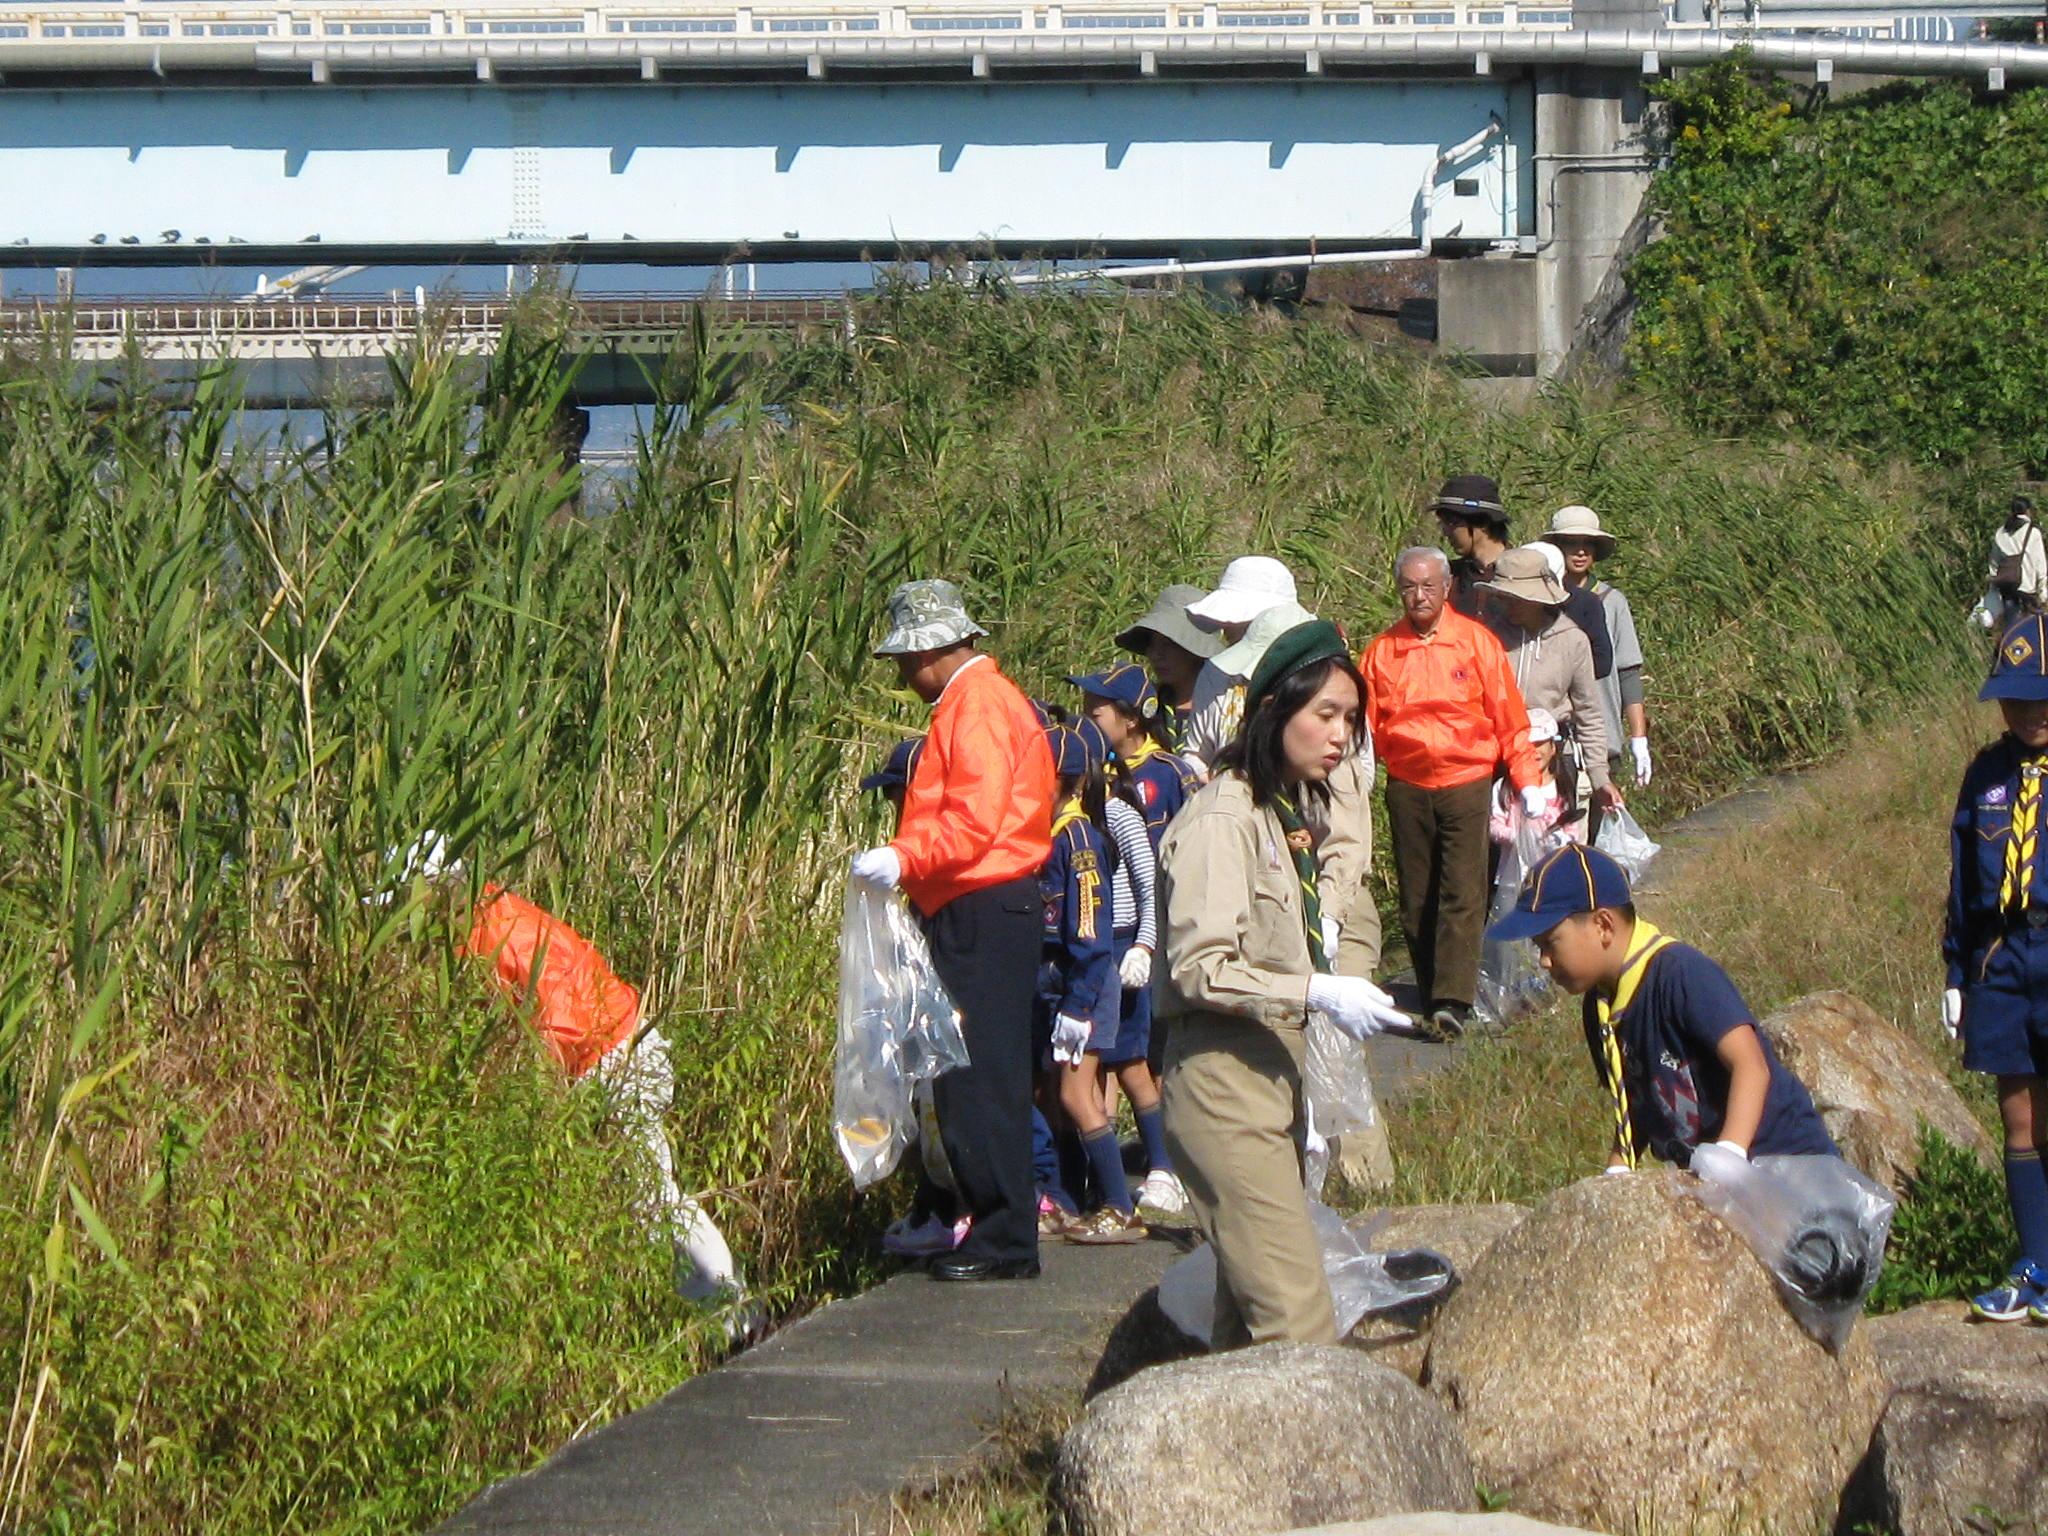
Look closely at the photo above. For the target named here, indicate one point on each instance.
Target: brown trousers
(1441, 861)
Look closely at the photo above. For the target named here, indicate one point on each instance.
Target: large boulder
(1461, 1233)
(1258, 1440)
(1963, 1444)
(1622, 1360)
(1872, 1083)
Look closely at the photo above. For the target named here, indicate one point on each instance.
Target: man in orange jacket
(1444, 710)
(976, 826)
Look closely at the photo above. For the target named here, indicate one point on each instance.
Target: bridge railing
(229, 319)
(171, 22)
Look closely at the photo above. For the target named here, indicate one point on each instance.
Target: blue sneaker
(2024, 1294)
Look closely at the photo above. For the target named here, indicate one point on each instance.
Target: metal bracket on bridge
(1650, 65)
(1994, 79)
(1482, 63)
(1312, 61)
(814, 66)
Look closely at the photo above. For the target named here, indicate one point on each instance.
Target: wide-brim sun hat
(926, 616)
(1552, 557)
(1576, 522)
(1168, 619)
(1251, 584)
(1242, 658)
(1525, 574)
(2019, 671)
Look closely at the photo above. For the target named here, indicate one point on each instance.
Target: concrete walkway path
(854, 1401)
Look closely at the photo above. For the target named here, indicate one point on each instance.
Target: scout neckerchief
(1647, 941)
(1069, 813)
(1303, 848)
(1146, 750)
(1175, 720)
(2015, 892)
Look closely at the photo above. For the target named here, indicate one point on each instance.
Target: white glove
(1952, 1012)
(1534, 802)
(1070, 1038)
(1613, 1169)
(1984, 615)
(1332, 932)
(1354, 1005)
(1721, 1162)
(1639, 748)
(1135, 969)
(881, 866)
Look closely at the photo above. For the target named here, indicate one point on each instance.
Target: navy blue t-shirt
(1677, 1086)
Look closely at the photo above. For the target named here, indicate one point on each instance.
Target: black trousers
(985, 945)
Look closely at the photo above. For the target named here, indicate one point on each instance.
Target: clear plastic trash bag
(1511, 981)
(1361, 1281)
(1820, 1228)
(897, 1028)
(1625, 842)
(1336, 1080)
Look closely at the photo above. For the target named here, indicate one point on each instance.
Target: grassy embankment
(301, 1231)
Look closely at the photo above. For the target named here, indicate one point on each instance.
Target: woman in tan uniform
(1245, 960)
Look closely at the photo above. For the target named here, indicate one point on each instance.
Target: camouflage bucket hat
(926, 616)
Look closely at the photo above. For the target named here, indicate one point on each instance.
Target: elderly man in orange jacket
(977, 824)
(1444, 710)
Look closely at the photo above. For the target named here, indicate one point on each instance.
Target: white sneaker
(1162, 1192)
(927, 1238)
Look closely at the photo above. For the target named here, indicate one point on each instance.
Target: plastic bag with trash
(1820, 1228)
(897, 1028)
(1511, 981)
(1336, 1081)
(1361, 1281)
(1625, 842)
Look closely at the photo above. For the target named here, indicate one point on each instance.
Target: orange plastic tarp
(581, 1009)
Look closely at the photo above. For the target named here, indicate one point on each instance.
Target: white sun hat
(1251, 584)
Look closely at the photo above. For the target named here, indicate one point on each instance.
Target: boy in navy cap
(1995, 946)
(1691, 1077)
(893, 777)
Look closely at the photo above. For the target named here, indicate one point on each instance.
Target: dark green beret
(1301, 646)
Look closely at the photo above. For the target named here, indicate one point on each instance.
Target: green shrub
(1872, 271)
(1952, 1235)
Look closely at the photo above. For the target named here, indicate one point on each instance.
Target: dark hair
(1257, 751)
(1120, 781)
(1092, 788)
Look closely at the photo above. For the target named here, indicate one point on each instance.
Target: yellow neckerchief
(1648, 941)
(2016, 889)
(1069, 813)
(1145, 751)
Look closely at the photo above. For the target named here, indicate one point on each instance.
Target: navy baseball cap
(2020, 669)
(1566, 882)
(1126, 683)
(896, 772)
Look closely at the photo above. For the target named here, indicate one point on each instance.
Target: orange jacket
(580, 1008)
(1443, 707)
(978, 810)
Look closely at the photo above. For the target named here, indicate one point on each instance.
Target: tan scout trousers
(1233, 1112)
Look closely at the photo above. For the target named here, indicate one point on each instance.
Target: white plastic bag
(1820, 1228)
(1623, 841)
(1360, 1280)
(897, 1028)
(1336, 1081)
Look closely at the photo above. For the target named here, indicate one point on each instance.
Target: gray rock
(1963, 1444)
(1497, 1523)
(1621, 1360)
(1872, 1083)
(1258, 1440)
(1461, 1233)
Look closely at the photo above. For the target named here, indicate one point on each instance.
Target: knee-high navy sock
(2026, 1186)
(1106, 1162)
(1073, 1168)
(1152, 1131)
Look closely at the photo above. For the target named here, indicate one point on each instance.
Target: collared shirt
(978, 809)
(1977, 837)
(1443, 707)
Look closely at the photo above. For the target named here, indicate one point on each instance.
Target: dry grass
(1003, 1492)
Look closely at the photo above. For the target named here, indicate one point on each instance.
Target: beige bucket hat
(1524, 573)
(1577, 522)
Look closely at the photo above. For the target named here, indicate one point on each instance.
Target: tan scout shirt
(1234, 942)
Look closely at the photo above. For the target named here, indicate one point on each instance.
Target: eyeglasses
(1416, 588)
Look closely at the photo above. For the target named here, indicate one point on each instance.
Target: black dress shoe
(985, 1269)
